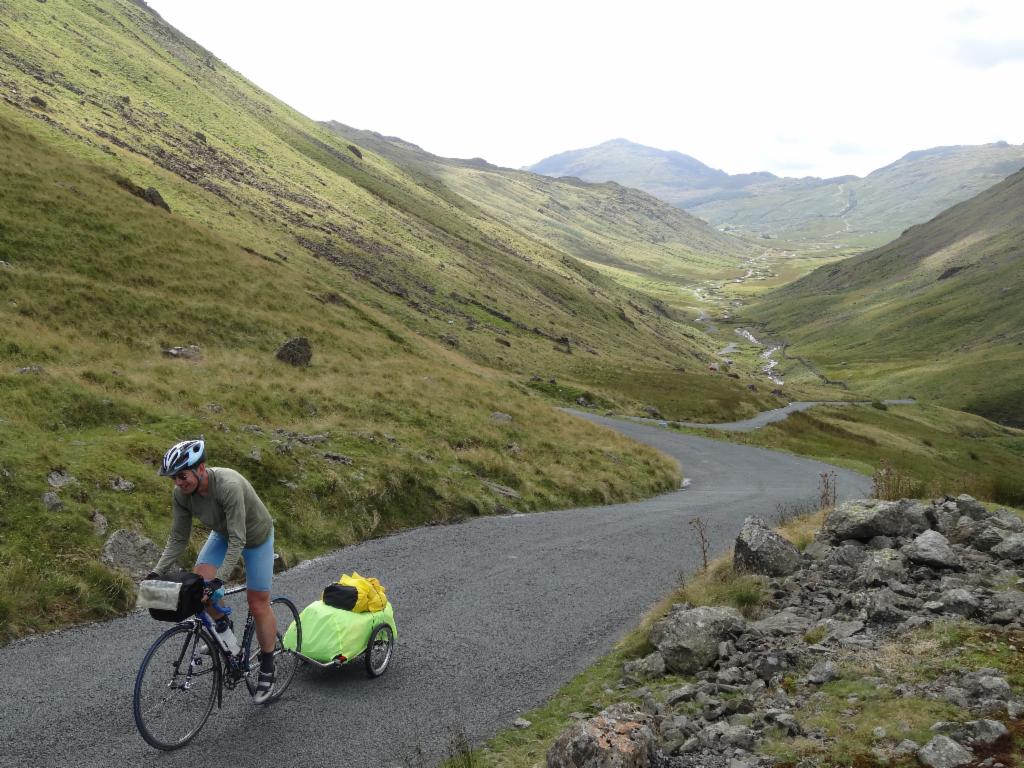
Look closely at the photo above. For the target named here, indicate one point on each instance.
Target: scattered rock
(153, 197)
(501, 490)
(120, 484)
(129, 551)
(58, 478)
(822, 673)
(295, 351)
(191, 352)
(99, 523)
(932, 548)
(649, 667)
(338, 458)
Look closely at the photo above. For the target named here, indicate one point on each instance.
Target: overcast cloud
(797, 88)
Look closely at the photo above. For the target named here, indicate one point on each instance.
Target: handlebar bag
(172, 598)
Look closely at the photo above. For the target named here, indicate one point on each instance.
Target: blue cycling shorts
(259, 561)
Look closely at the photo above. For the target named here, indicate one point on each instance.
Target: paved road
(494, 615)
(770, 417)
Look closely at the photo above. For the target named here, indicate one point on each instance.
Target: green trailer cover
(328, 632)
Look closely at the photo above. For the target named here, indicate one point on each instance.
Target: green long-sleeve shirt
(230, 507)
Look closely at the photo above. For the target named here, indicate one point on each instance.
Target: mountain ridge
(842, 211)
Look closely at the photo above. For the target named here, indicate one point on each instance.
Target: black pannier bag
(172, 598)
(340, 596)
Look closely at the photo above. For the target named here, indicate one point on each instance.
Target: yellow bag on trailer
(371, 593)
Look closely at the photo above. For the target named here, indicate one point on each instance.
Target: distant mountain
(676, 178)
(938, 313)
(846, 210)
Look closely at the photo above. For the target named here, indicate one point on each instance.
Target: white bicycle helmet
(187, 454)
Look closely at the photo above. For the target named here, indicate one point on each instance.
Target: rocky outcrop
(876, 571)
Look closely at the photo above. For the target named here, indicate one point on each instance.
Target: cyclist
(224, 501)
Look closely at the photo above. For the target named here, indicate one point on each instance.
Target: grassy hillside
(127, 91)
(96, 282)
(625, 234)
(935, 314)
(843, 212)
(427, 314)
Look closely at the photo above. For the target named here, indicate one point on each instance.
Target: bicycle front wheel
(285, 662)
(176, 687)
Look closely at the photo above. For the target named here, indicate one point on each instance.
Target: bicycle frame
(237, 665)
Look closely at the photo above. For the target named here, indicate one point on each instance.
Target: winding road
(494, 615)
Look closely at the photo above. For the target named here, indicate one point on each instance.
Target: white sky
(797, 88)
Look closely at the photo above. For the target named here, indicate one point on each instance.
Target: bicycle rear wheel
(176, 687)
(285, 662)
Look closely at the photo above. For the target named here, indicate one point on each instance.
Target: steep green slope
(129, 92)
(382, 430)
(936, 314)
(843, 211)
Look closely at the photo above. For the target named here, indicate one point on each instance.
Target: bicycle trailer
(333, 636)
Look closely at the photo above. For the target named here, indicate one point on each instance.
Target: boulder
(1006, 520)
(295, 351)
(688, 638)
(1011, 548)
(52, 502)
(943, 752)
(1006, 607)
(975, 733)
(959, 602)
(762, 551)
(864, 519)
(931, 548)
(618, 737)
(129, 551)
(823, 672)
(970, 507)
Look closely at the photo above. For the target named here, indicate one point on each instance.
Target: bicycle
(186, 670)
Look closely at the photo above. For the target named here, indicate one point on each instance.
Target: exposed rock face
(619, 737)
(760, 550)
(864, 519)
(295, 351)
(688, 638)
(130, 551)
